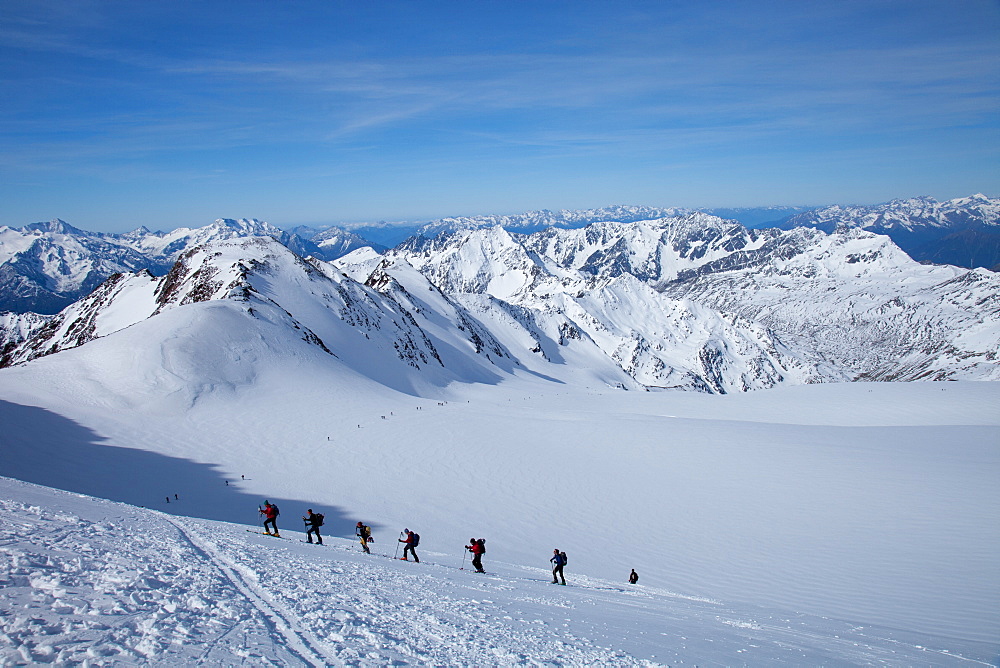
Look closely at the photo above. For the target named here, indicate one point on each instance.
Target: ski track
(116, 591)
(137, 587)
(377, 613)
(279, 621)
(91, 582)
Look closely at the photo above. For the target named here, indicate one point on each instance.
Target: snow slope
(93, 581)
(803, 513)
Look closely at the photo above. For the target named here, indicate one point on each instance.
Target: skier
(478, 548)
(270, 514)
(410, 542)
(633, 577)
(314, 521)
(558, 561)
(364, 533)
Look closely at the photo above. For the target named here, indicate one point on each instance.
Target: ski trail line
(299, 643)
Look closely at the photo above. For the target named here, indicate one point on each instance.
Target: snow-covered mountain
(856, 300)
(687, 302)
(758, 216)
(963, 231)
(833, 306)
(262, 289)
(394, 320)
(46, 266)
(14, 329)
(335, 242)
(535, 221)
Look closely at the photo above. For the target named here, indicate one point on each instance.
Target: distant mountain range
(44, 267)
(47, 266)
(682, 301)
(964, 232)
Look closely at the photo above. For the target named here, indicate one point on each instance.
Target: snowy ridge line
(297, 641)
(690, 303)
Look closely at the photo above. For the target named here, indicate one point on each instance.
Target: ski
(261, 533)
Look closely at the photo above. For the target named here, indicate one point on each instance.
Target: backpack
(482, 544)
(563, 558)
(276, 511)
(318, 519)
(416, 539)
(366, 531)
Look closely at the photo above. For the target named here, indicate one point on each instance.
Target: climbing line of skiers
(410, 540)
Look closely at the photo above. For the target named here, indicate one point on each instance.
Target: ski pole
(396, 555)
(465, 553)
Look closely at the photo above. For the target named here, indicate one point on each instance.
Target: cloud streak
(87, 91)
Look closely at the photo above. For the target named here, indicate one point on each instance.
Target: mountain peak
(247, 225)
(56, 226)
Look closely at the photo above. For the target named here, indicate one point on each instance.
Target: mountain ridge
(46, 266)
(964, 231)
(687, 302)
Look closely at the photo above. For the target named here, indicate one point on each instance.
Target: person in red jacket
(270, 513)
(478, 548)
(409, 543)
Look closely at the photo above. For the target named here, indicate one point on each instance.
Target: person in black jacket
(558, 561)
(364, 534)
(313, 521)
(633, 577)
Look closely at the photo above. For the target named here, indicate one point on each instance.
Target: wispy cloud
(162, 89)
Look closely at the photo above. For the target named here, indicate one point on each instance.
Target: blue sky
(119, 114)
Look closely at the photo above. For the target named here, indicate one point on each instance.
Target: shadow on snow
(45, 448)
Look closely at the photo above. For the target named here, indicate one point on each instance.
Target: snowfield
(87, 581)
(832, 524)
(805, 524)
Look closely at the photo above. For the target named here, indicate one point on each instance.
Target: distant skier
(270, 513)
(558, 561)
(314, 521)
(477, 546)
(633, 577)
(411, 541)
(364, 534)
